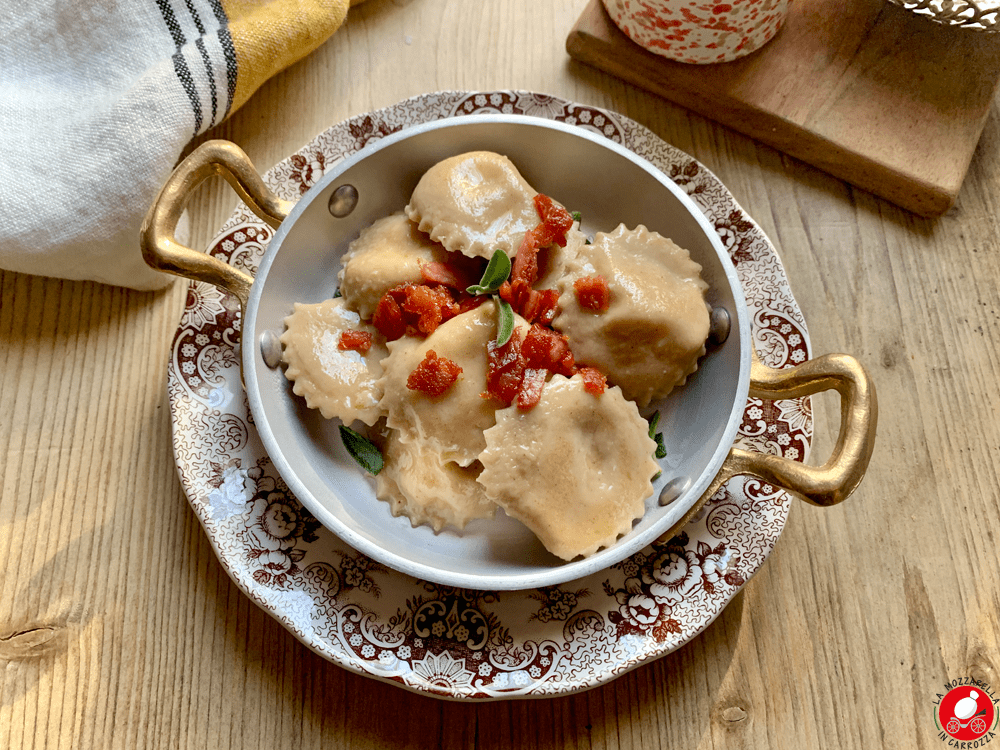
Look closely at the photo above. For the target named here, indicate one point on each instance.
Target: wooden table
(118, 627)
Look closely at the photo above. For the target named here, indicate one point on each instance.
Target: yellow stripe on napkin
(269, 37)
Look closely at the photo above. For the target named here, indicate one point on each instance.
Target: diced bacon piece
(556, 221)
(549, 306)
(358, 341)
(505, 369)
(388, 317)
(593, 380)
(434, 375)
(525, 267)
(436, 272)
(424, 304)
(520, 291)
(540, 306)
(567, 365)
(468, 302)
(543, 347)
(506, 292)
(531, 387)
(428, 307)
(592, 293)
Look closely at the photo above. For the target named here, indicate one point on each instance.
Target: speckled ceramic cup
(693, 31)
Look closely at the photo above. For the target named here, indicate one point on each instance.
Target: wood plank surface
(119, 628)
(866, 91)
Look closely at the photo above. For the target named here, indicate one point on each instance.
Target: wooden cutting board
(865, 90)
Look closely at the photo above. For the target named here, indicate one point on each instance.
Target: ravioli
(340, 383)
(419, 485)
(651, 335)
(576, 469)
(474, 203)
(451, 424)
(388, 253)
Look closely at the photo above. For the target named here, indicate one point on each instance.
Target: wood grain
(866, 91)
(119, 629)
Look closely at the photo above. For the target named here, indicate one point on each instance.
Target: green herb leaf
(661, 449)
(577, 216)
(505, 323)
(362, 450)
(337, 293)
(496, 273)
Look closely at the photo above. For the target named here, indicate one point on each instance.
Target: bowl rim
(572, 570)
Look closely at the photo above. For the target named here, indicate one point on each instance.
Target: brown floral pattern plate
(463, 643)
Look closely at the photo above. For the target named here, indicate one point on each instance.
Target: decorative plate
(462, 643)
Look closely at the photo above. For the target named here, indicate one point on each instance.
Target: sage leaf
(496, 273)
(505, 324)
(653, 421)
(661, 449)
(362, 450)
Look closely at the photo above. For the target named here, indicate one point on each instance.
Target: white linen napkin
(97, 101)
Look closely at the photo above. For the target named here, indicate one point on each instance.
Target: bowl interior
(586, 173)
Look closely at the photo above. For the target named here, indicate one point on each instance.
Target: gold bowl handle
(162, 251)
(835, 480)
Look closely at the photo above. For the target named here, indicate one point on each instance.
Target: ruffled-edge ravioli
(337, 382)
(419, 485)
(452, 423)
(650, 338)
(388, 253)
(576, 469)
(474, 203)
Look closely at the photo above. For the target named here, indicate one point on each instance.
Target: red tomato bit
(593, 380)
(358, 341)
(592, 293)
(505, 369)
(434, 375)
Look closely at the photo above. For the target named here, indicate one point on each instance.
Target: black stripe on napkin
(180, 64)
(226, 40)
(206, 60)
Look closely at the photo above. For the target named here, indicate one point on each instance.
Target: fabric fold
(97, 103)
